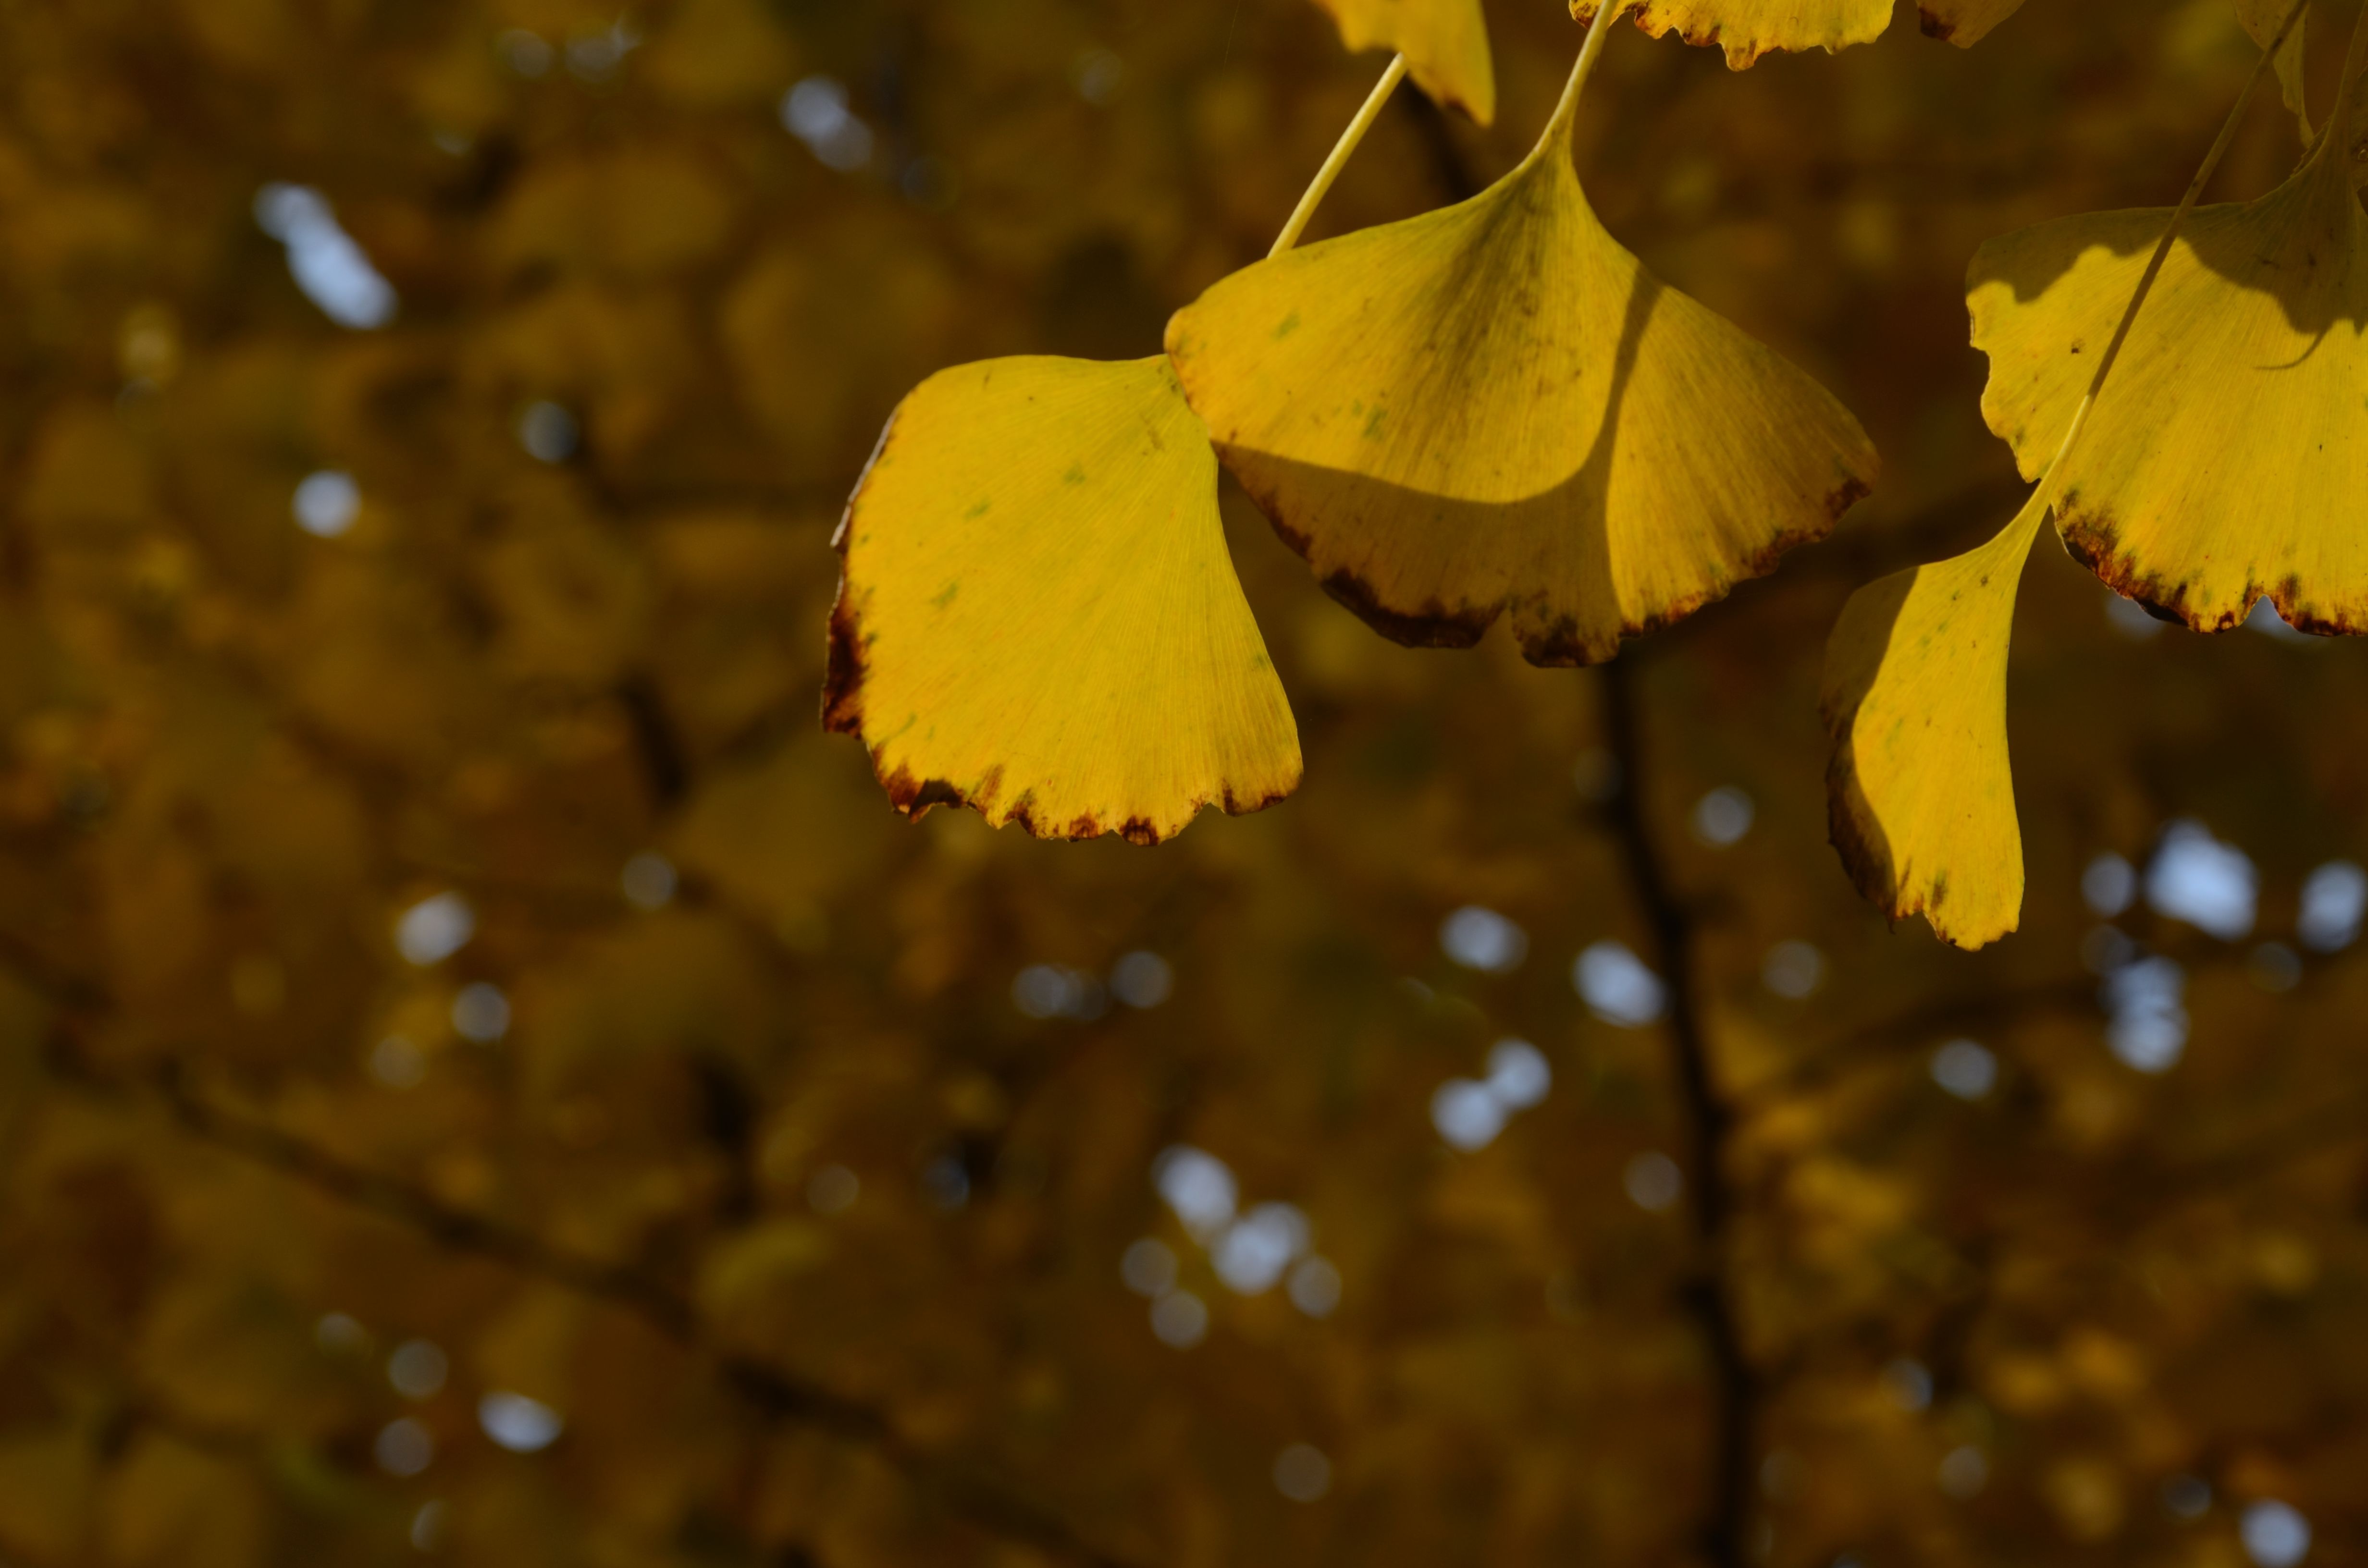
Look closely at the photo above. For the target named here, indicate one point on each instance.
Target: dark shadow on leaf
(2299, 244)
(1562, 600)
(1861, 641)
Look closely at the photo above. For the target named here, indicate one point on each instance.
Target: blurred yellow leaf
(1496, 408)
(2251, 344)
(1038, 617)
(1921, 795)
(741, 1276)
(2086, 1495)
(529, 1348)
(169, 1506)
(1749, 28)
(790, 308)
(47, 1482)
(721, 51)
(573, 599)
(1445, 43)
(642, 209)
(783, 834)
(217, 1350)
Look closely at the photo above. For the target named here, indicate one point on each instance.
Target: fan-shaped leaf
(1749, 28)
(1445, 43)
(1495, 407)
(1919, 789)
(1038, 617)
(2230, 461)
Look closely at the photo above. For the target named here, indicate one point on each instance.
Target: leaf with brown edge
(1037, 617)
(1919, 789)
(1445, 43)
(1749, 28)
(1494, 409)
(1964, 22)
(2226, 462)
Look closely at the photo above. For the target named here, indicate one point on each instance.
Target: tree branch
(1710, 1125)
(1880, 1043)
(961, 1487)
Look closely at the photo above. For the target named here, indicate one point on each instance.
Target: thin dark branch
(45, 978)
(1710, 1125)
(2334, 1122)
(665, 767)
(957, 1486)
(1918, 1027)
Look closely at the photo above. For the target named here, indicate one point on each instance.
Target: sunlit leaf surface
(1445, 43)
(1920, 793)
(356, 681)
(1495, 409)
(1038, 617)
(2227, 461)
(1749, 28)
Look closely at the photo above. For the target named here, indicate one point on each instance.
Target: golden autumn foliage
(1495, 408)
(2221, 468)
(489, 1075)
(1444, 42)
(1050, 526)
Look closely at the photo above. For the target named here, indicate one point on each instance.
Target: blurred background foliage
(483, 1078)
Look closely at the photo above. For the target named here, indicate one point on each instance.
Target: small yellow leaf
(1964, 22)
(1445, 43)
(2226, 460)
(2262, 19)
(1920, 791)
(1749, 28)
(1038, 617)
(1496, 408)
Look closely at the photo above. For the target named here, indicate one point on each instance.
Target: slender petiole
(1339, 158)
(2179, 220)
(1598, 32)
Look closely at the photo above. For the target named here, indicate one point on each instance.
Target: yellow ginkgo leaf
(1445, 43)
(1920, 791)
(2261, 18)
(1964, 22)
(1496, 408)
(1749, 28)
(1038, 616)
(2229, 461)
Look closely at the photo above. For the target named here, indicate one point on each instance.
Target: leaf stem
(2179, 220)
(2355, 60)
(1598, 32)
(1371, 111)
(1736, 1386)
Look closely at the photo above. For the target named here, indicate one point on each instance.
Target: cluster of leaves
(482, 1080)
(1496, 408)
